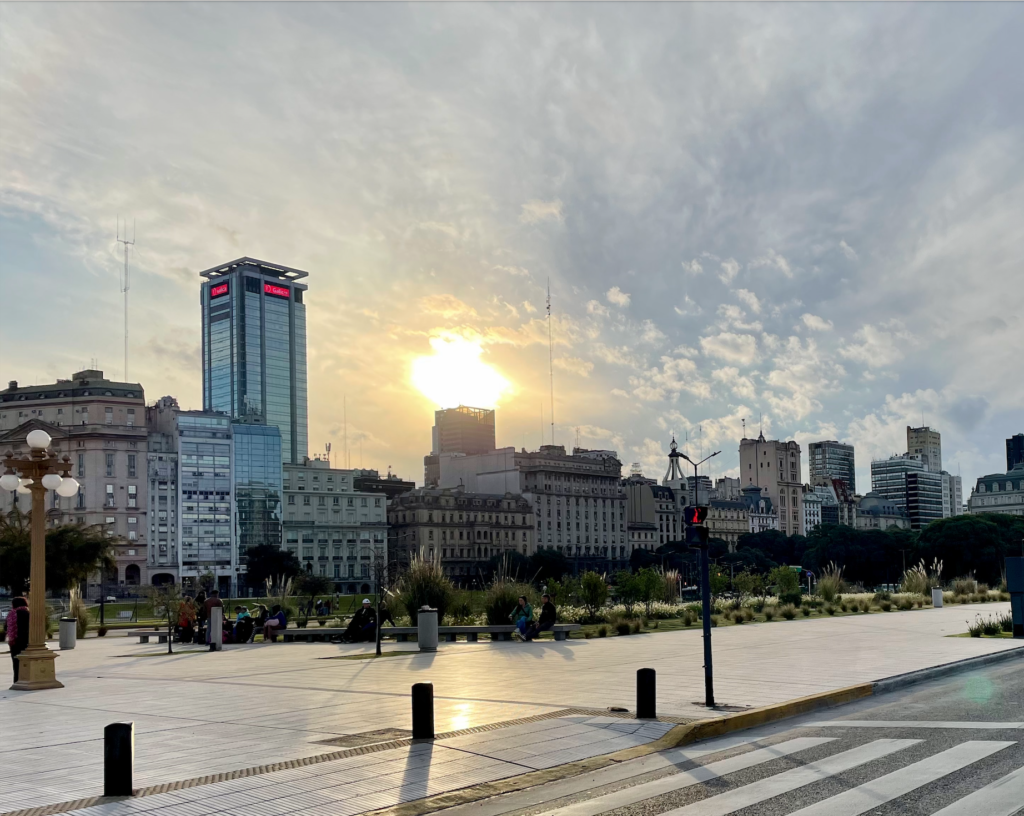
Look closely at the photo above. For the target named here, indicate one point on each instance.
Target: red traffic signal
(695, 514)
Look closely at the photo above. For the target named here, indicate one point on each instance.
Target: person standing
(17, 630)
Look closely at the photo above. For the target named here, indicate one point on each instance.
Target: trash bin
(937, 597)
(426, 629)
(68, 633)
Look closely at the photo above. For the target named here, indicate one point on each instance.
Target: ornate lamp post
(35, 474)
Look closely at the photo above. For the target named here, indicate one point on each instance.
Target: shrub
(622, 627)
(501, 599)
(425, 584)
(1004, 595)
(865, 606)
(461, 610)
(831, 610)
(1006, 622)
(769, 613)
(714, 621)
(830, 583)
(687, 619)
(885, 606)
(975, 629)
(842, 606)
(737, 617)
(635, 627)
(918, 603)
(748, 615)
(788, 612)
(806, 612)
(884, 595)
(593, 592)
(905, 604)
(983, 589)
(670, 581)
(915, 580)
(965, 585)
(588, 635)
(991, 627)
(602, 631)
(79, 611)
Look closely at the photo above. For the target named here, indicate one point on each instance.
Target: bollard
(118, 758)
(645, 694)
(215, 629)
(423, 711)
(937, 597)
(426, 629)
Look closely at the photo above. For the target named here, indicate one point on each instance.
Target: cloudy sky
(812, 214)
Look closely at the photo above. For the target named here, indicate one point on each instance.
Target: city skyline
(703, 269)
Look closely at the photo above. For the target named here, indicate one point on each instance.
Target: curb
(901, 681)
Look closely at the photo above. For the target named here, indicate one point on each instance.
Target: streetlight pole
(705, 594)
(36, 473)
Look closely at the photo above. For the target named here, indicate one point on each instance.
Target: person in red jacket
(17, 630)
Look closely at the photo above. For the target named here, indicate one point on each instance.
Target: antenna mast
(344, 425)
(126, 282)
(551, 366)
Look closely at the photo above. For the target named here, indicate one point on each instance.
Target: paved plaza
(198, 714)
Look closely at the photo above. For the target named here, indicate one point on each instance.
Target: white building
(332, 528)
(952, 495)
(760, 511)
(812, 510)
(999, 493)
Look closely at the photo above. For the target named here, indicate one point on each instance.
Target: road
(950, 747)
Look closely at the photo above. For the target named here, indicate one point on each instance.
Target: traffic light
(697, 537)
(695, 514)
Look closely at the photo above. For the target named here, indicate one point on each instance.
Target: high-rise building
(906, 482)
(162, 456)
(775, 466)
(927, 444)
(952, 495)
(831, 460)
(889, 477)
(258, 484)
(100, 424)
(924, 498)
(254, 347)
(461, 430)
(1014, 451)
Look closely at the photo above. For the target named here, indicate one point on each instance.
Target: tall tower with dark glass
(254, 347)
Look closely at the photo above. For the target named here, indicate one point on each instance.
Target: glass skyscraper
(258, 485)
(254, 347)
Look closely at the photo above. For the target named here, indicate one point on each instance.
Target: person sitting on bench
(545, 623)
(363, 626)
(276, 622)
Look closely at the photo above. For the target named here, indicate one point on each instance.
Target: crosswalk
(1002, 797)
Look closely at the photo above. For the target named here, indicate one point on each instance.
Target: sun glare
(455, 375)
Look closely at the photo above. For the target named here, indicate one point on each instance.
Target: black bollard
(645, 694)
(423, 711)
(118, 758)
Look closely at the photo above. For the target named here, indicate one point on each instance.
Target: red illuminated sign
(276, 291)
(217, 291)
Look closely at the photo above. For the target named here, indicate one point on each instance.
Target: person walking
(546, 621)
(17, 630)
(521, 616)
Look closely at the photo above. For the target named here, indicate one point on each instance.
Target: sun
(455, 375)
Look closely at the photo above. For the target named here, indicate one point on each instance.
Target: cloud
(772, 260)
(729, 269)
(732, 348)
(616, 296)
(618, 392)
(514, 270)
(512, 310)
(686, 351)
(847, 250)
(447, 306)
(693, 267)
(529, 307)
(649, 333)
(674, 376)
(878, 346)
(689, 308)
(750, 299)
(574, 365)
(595, 307)
(815, 323)
(615, 355)
(535, 211)
(804, 371)
(741, 386)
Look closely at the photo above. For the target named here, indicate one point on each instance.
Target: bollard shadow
(415, 779)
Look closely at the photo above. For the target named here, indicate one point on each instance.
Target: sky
(805, 216)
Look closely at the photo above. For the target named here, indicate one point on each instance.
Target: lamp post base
(36, 670)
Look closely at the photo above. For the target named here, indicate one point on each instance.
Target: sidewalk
(208, 713)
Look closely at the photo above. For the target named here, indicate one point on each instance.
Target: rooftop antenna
(328, 446)
(126, 282)
(577, 436)
(744, 421)
(551, 366)
(344, 426)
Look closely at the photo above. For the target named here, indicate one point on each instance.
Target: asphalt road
(950, 747)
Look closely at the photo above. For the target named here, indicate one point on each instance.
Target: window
(108, 414)
(109, 520)
(80, 498)
(132, 498)
(131, 466)
(81, 465)
(110, 464)
(291, 500)
(305, 500)
(109, 501)
(131, 417)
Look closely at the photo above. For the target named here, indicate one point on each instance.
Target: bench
(126, 616)
(401, 634)
(145, 634)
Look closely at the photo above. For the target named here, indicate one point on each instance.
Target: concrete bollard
(426, 629)
(118, 758)
(423, 711)
(646, 694)
(937, 597)
(215, 629)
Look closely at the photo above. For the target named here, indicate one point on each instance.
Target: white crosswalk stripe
(1004, 797)
(791, 780)
(973, 726)
(684, 779)
(893, 785)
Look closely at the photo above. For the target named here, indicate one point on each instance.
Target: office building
(831, 460)
(206, 483)
(460, 530)
(461, 430)
(1014, 451)
(924, 498)
(999, 493)
(952, 495)
(578, 499)
(927, 444)
(162, 470)
(254, 347)
(775, 466)
(889, 477)
(727, 488)
(699, 488)
(334, 529)
(100, 425)
(258, 484)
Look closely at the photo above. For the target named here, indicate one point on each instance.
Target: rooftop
(264, 268)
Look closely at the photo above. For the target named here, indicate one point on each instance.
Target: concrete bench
(145, 634)
(402, 634)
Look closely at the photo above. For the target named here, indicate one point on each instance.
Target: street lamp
(35, 474)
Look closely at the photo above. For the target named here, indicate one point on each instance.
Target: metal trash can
(68, 633)
(937, 597)
(426, 629)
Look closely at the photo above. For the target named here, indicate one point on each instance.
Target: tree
(167, 600)
(627, 588)
(650, 586)
(750, 585)
(73, 553)
(547, 564)
(787, 584)
(593, 593)
(312, 585)
(269, 561)
(976, 543)
(719, 582)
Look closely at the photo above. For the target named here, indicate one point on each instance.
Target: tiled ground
(205, 713)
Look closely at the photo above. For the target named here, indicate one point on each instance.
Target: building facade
(728, 520)
(162, 470)
(206, 502)
(100, 424)
(254, 347)
(924, 498)
(652, 504)
(952, 495)
(889, 477)
(832, 460)
(461, 430)
(877, 513)
(259, 485)
(727, 488)
(334, 529)
(812, 510)
(999, 493)
(462, 531)
(927, 444)
(1014, 451)
(775, 466)
(761, 513)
